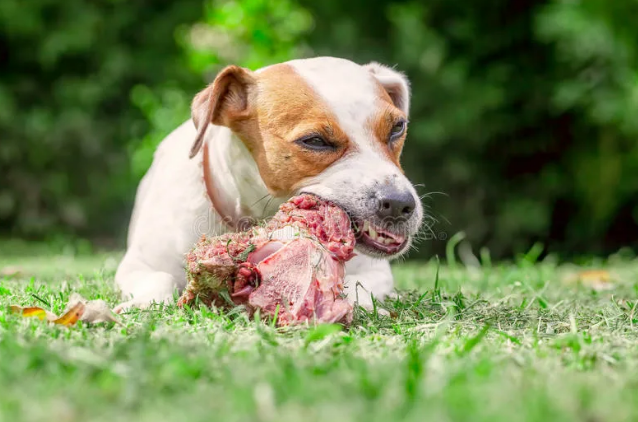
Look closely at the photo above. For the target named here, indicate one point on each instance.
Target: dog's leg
(367, 277)
(150, 288)
(142, 287)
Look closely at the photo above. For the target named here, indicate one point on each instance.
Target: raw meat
(292, 268)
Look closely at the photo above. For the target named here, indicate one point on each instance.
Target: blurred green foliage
(66, 118)
(523, 113)
(252, 34)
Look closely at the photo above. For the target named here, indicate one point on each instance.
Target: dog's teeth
(373, 234)
(366, 226)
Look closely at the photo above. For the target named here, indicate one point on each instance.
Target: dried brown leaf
(11, 271)
(71, 316)
(95, 310)
(77, 309)
(598, 280)
(34, 312)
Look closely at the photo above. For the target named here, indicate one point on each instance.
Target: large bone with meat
(292, 268)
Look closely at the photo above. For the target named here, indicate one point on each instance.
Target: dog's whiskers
(429, 195)
(260, 199)
(426, 229)
(267, 204)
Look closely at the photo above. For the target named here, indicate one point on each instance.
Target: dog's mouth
(371, 238)
(378, 240)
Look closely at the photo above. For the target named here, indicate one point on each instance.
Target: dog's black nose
(395, 203)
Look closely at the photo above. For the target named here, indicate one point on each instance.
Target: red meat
(292, 268)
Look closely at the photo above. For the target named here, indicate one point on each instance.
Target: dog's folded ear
(395, 84)
(222, 102)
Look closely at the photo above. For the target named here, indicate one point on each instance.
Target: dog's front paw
(144, 289)
(141, 303)
(366, 300)
(368, 305)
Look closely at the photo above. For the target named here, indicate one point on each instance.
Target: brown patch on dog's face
(381, 125)
(284, 109)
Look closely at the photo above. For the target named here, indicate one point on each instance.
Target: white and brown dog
(324, 126)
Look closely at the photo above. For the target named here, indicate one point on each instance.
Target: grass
(508, 342)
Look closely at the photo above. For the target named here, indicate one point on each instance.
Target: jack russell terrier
(323, 126)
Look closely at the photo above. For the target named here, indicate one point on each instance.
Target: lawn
(508, 342)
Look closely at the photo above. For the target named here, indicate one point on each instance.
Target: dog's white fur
(172, 209)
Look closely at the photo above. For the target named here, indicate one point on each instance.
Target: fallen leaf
(34, 312)
(95, 310)
(11, 271)
(71, 316)
(595, 275)
(598, 280)
(77, 309)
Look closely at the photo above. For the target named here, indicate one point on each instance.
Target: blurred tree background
(523, 122)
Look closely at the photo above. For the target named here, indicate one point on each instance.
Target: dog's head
(328, 127)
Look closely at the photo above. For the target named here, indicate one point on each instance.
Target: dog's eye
(316, 143)
(397, 130)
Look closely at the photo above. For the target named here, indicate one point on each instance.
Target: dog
(324, 126)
